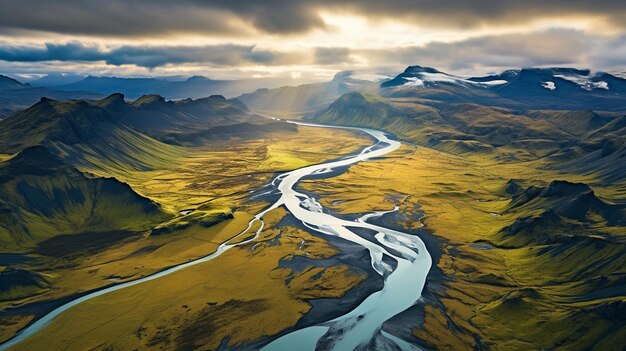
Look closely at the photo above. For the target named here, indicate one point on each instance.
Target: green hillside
(42, 198)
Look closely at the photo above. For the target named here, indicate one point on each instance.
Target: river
(400, 258)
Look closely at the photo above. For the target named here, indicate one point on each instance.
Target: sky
(310, 40)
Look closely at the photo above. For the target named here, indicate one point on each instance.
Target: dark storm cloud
(113, 18)
(158, 17)
(145, 56)
(553, 47)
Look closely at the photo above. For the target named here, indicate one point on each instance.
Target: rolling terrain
(525, 178)
(514, 185)
(91, 197)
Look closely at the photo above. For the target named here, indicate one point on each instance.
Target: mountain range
(169, 87)
(52, 140)
(15, 96)
(530, 88)
(521, 89)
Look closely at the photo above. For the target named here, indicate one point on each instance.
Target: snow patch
(584, 82)
(413, 82)
(426, 77)
(549, 85)
(372, 77)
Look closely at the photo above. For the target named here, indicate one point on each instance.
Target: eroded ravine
(361, 327)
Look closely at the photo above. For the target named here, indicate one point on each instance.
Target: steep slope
(49, 120)
(600, 153)
(573, 122)
(43, 197)
(357, 110)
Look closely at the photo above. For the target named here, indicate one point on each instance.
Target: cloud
(141, 18)
(555, 47)
(146, 56)
(220, 17)
(332, 56)
(611, 53)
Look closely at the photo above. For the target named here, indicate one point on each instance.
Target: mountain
(171, 88)
(304, 99)
(88, 122)
(153, 115)
(15, 96)
(43, 197)
(355, 109)
(418, 76)
(453, 127)
(528, 88)
(132, 87)
(45, 190)
(574, 124)
(10, 83)
(51, 80)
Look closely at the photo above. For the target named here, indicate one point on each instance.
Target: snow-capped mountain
(418, 76)
(538, 87)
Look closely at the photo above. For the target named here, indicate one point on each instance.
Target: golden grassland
(214, 180)
(226, 171)
(506, 297)
(502, 295)
(238, 298)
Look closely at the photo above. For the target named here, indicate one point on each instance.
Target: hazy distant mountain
(304, 99)
(15, 96)
(10, 83)
(56, 79)
(192, 87)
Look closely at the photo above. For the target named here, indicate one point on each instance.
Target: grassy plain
(214, 181)
(207, 305)
(495, 297)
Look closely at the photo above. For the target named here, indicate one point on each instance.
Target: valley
(425, 212)
(192, 179)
